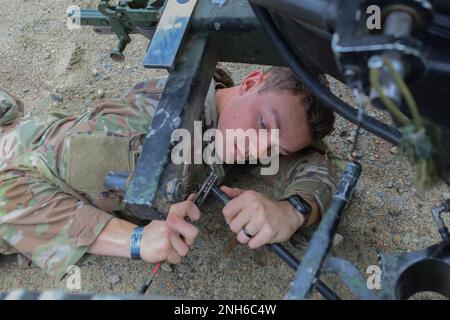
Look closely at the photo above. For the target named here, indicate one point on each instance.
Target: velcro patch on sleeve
(92, 157)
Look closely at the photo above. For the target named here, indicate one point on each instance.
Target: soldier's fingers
(191, 197)
(173, 256)
(240, 221)
(232, 192)
(242, 238)
(234, 207)
(179, 245)
(187, 230)
(185, 209)
(260, 239)
(193, 212)
(253, 227)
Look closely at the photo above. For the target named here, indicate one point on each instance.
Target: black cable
(371, 124)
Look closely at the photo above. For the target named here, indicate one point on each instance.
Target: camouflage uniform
(52, 201)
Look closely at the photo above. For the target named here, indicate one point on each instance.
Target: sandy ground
(55, 69)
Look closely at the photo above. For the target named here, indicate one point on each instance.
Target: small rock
(54, 104)
(399, 183)
(400, 201)
(114, 279)
(394, 213)
(390, 184)
(94, 72)
(56, 97)
(100, 93)
(356, 154)
(343, 133)
(166, 267)
(359, 188)
(337, 240)
(394, 150)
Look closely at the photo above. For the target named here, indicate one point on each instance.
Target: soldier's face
(247, 109)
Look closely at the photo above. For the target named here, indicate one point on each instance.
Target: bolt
(174, 190)
(350, 72)
(375, 62)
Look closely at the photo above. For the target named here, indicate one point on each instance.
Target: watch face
(299, 204)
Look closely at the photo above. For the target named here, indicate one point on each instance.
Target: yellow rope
(389, 104)
(411, 103)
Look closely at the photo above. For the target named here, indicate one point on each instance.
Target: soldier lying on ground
(53, 204)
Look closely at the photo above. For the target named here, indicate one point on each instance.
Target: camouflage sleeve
(11, 108)
(50, 228)
(307, 173)
(311, 175)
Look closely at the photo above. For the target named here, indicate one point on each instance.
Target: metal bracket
(352, 278)
(138, 16)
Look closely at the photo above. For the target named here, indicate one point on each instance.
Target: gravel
(40, 55)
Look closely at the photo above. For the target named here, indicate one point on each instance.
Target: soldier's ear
(251, 81)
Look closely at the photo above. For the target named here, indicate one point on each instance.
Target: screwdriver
(155, 269)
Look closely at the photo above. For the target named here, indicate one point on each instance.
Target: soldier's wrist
(296, 219)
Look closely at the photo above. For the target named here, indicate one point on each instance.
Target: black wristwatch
(300, 205)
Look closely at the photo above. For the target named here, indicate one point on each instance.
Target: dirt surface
(53, 68)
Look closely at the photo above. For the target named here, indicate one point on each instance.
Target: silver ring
(244, 230)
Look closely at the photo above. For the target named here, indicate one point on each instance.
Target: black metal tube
(285, 255)
(282, 252)
(293, 262)
(319, 13)
(371, 124)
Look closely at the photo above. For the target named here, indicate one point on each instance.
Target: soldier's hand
(170, 239)
(265, 220)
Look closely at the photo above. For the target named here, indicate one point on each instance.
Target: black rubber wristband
(300, 205)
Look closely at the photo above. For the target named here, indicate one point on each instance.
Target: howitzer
(409, 52)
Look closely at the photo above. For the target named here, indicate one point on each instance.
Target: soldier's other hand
(265, 220)
(170, 239)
